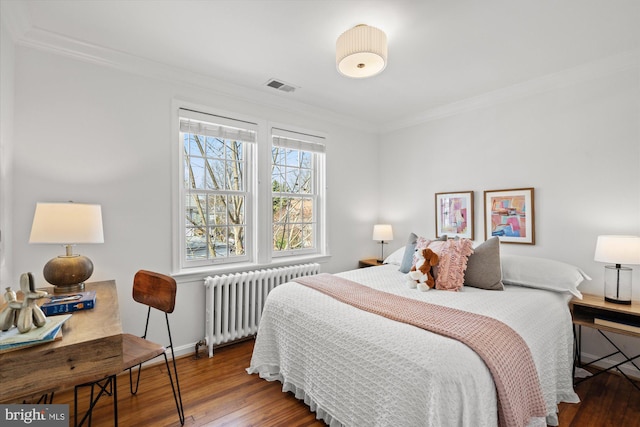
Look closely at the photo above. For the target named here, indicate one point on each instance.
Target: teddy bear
(420, 275)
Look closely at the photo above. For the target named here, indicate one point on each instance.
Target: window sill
(198, 274)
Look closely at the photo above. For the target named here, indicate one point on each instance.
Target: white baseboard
(627, 368)
(185, 349)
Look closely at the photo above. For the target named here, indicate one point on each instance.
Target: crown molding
(586, 72)
(15, 17)
(47, 41)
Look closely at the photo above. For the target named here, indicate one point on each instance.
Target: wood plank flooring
(219, 392)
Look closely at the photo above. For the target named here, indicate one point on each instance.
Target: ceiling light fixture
(361, 51)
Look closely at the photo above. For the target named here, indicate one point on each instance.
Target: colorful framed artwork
(454, 214)
(509, 214)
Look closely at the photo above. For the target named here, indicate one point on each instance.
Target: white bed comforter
(355, 368)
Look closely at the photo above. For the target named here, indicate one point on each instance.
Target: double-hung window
(250, 192)
(297, 178)
(216, 194)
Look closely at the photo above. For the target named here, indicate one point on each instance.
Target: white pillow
(542, 273)
(395, 257)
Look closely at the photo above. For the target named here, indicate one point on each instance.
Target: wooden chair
(155, 291)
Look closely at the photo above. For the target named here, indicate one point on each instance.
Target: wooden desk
(90, 349)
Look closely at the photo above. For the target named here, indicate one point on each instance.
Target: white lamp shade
(618, 249)
(67, 223)
(382, 232)
(361, 51)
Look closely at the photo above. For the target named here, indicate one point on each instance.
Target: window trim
(308, 141)
(314, 196)
(248, 192)
(259, 220)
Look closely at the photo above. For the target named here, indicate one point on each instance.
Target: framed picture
(454, 214)
(509, 214)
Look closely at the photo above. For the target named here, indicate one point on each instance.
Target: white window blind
(297, 141)
(217, 126)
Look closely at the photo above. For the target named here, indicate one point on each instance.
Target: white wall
(577, 144)
(7, 62)
(94, 134)
(85, 132)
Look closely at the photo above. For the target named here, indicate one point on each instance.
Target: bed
(356, 368)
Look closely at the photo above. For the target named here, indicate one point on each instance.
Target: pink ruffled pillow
(453, 254)
(421, 243)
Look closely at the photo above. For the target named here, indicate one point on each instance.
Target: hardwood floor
(219, 392)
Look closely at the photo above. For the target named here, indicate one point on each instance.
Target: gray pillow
(407, 258)
(483, 266)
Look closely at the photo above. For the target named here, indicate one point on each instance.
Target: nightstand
(370, 262)
(594, 312)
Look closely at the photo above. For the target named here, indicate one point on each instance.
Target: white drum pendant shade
(361, 51)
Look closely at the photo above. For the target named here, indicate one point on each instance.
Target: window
(297, 166)
(246, 193)
(216, 190)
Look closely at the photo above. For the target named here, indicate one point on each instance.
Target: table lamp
(617, 279)
(67, 224)
(384, 234)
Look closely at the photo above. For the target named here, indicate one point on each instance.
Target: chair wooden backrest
(155, 290)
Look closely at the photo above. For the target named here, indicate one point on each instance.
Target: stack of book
(12, 339)
(62, 304)
(619, 324)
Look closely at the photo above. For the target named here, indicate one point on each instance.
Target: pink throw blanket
(501, 348)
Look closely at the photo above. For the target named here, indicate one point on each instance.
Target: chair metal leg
(177, 397)
(131, 388)
(175, 387)
(146, 329)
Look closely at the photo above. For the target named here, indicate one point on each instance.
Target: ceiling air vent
(280, 85)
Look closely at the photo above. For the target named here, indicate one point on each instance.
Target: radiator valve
(198, 345)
